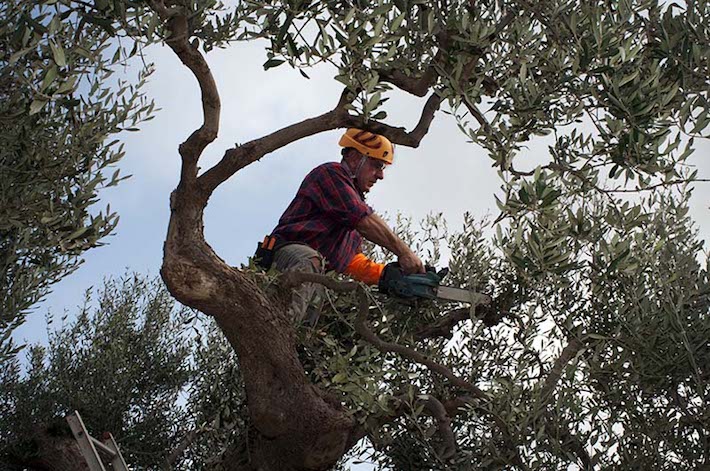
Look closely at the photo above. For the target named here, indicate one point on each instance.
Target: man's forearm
(376, 230)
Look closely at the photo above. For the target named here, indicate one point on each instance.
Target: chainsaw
(418, 286)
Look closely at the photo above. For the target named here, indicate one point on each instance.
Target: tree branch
(192, 148)
(239, 157)
(438, 411)
(400, 135)
(177, 452)
(293, 279)
(363, 329)
(418, 86)
(443, 327)
(568, 440)
(553, 377)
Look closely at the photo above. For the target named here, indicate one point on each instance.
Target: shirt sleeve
(333, 191)
(363, 269)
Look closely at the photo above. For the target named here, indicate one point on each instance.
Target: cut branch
(443, 327)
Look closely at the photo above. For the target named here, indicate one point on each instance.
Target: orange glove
(363, 269)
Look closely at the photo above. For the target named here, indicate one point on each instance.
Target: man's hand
(410, 263)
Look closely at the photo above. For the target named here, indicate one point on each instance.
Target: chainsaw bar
(450, 293)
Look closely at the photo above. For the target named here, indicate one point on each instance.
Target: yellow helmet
(369, 144)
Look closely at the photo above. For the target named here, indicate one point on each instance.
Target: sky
(445, 174)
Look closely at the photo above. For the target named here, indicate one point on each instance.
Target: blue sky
(445, 174)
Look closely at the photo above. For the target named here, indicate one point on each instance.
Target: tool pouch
(264, 255)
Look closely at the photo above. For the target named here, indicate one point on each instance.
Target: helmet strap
(353, 174)
(359, 166)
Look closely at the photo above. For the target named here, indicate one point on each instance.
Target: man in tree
(324, 225)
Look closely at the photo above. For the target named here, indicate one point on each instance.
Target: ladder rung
(100, 446)
(91, 447)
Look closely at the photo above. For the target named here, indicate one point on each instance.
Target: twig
(180, 449)
(553, 377)
(438, 411)
(293, 279)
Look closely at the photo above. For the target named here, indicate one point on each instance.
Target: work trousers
(308, 298)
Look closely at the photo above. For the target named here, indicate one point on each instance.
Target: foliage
(642, 361)
(634, 393)
(122, 363)
(593, 352)
(60, 105)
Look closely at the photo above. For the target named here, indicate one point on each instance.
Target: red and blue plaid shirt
(324, 213)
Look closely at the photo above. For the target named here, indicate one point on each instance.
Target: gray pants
(307, 298)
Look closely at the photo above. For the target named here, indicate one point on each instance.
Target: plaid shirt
(324, 213)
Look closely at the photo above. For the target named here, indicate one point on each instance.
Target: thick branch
(192, 148)
(239, 157)
(443, 327)
(400, 135)
(418, 86)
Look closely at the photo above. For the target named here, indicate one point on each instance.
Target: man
(323, 227)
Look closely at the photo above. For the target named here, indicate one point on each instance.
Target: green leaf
(58, 54)
(271, 63)
(68, 85)
(397, 22)
(48, 78)
(340, 378)
(37, 105)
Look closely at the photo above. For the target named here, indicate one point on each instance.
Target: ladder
(91, 447)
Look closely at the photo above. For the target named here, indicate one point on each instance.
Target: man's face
(371, 171)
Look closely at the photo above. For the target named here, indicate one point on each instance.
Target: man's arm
(374, 229)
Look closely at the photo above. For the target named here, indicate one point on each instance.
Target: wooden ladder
(91, 447)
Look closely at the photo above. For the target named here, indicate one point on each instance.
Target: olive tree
(563, 367)
(59, 107)
(122, 361)
(509, 71)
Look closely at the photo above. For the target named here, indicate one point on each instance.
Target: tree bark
(297, 428)
(54, 453)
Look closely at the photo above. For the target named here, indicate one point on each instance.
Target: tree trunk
(297, 428)
(54, 453)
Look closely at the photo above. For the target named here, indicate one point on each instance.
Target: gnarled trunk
(297, 428)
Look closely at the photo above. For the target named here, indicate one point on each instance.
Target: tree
(58, 110)
(549, 376)
(122, 363)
